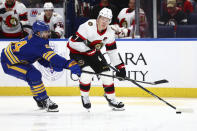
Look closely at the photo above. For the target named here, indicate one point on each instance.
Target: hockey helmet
(40, 26)
(106, 12)
(48, 6)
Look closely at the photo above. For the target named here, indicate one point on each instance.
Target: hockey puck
(178, 112)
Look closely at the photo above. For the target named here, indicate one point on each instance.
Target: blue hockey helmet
(40, 26)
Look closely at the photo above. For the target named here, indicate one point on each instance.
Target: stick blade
(185, 110)
(161, 81)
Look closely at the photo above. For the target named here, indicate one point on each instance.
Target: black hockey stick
(126, 78)
(116, 70)
(178, 111)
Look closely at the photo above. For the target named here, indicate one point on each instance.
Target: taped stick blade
(161, 81)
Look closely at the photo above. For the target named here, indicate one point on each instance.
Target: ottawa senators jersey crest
(11, 21)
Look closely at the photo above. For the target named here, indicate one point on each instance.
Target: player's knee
(33, 75)
(107, 80)
(86, 78)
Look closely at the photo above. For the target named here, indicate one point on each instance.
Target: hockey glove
(96, 44)
(74, 67)
(121, 71)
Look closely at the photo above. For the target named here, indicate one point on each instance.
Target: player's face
(132, 4)
(103, 22)
(44, 34)
(48, 13)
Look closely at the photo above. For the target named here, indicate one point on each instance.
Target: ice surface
(141, 114)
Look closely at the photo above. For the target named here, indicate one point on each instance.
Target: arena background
(146, 60)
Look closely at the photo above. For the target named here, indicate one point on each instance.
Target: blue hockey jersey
(31, 49)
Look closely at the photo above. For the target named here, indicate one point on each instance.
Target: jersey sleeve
(82, 31)
(111, 49)
(76, 42)
(49, 55)
(23, 15)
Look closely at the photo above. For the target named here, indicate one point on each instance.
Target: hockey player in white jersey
(13, 16)
(85, 47)
(53, 19)
(126, 22)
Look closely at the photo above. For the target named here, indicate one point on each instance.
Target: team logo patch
(11, 21)
(90, 23)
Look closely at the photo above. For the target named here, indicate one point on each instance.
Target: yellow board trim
(17, 69)
(98, 91)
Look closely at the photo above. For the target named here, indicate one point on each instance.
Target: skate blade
(54, 110)
(118, 109)
(87, 109)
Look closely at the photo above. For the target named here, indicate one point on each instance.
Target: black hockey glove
(121, 71)
(96, 44)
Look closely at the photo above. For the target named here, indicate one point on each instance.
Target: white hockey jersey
(127, 19)
(88, 32)
(12, 19)
(55, 23)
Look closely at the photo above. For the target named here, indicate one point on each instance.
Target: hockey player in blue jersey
(17, 59)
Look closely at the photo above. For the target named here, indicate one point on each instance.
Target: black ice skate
(39, 104)
(49, 105)
(86, 102)
(114, 104)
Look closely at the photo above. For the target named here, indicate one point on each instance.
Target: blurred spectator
(173, 16)
(120, 5)
(53, 19)
(194, 3)
(13, 17)
(104, 3)
(186, 6)
(83, 8)
(126, 22)
(1, 2)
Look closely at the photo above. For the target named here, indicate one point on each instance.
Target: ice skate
(39, 104)
(49, 105)
(86, 102)
(114, 104)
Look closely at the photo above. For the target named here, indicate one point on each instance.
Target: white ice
(141, 114)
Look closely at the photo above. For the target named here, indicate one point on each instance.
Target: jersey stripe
(10, 55)
(111, 46)
(77, 33)
(17, 69)
(47, 56)
(38, 86)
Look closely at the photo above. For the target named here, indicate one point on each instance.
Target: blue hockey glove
(74, 67)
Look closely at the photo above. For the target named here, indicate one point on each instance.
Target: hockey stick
(150, 83)
(178, 111)
(126, 78)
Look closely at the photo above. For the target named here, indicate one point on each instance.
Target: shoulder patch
(90, 23)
